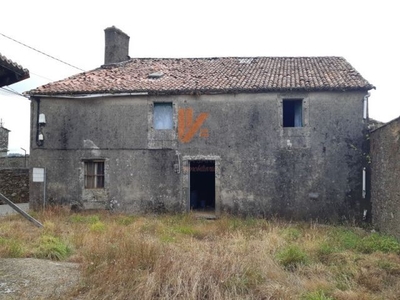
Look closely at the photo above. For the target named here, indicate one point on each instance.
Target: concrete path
(7, 210)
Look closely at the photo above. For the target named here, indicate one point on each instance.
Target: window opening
(163, 116)
(293, 113)
(94, 174)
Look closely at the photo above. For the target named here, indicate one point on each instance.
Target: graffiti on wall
(188, 127)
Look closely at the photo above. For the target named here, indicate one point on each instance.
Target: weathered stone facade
(260, 167)
(385, 173)
(3, 141)
(19, 162)
(14, 184)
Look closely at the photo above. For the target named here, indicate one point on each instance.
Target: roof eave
(87, 94)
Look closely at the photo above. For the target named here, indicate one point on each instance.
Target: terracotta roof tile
(213, 75)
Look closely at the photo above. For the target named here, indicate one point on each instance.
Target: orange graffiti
(204, 133)
(186, 127)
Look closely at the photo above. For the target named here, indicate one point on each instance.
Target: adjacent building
(385, 173)
(246, 135)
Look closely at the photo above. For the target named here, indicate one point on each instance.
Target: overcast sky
(364, 32)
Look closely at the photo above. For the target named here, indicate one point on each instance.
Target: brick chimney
(117, 46)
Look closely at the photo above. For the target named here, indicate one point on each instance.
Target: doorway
(202, 185)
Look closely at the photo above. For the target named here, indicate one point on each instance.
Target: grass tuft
(375, 242)
(52, 247)
(291, 257)
(316, 295)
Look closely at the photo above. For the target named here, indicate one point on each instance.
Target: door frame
(186, 180)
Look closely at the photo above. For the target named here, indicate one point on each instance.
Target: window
(94, 174)
(162, 116)
(293, 113)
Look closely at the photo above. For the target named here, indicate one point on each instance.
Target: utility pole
(25, 155)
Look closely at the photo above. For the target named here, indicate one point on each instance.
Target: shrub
(11, 247)
(98, 227)
(345, 239)
(77, 218)
(376, 242)
(316, 295)
(125, 220)
(291, 233)
(52, 248)
(291, 257)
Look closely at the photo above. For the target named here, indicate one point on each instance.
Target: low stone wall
(14, 162)
(14, 184)
(385, 174)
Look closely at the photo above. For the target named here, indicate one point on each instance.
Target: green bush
(291, 257)
(125, 220)
(291, 233)
(375, 242)
(345, 239)
(77, 218)
(52, 247)
(316, 295)
(12, 247)
(98, 227)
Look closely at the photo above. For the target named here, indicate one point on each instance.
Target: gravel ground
(29, 278)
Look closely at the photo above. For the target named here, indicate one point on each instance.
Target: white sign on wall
(38, 175)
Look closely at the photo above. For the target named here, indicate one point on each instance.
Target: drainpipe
(365, 110)
(366, 170)
(39, 141)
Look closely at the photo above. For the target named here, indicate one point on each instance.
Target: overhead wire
(41, 52)
(12, 91)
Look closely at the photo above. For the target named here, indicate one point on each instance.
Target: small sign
(38, 175)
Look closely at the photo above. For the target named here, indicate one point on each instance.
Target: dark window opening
(293, 113)
(94, 174)
(163, 116)
(202, 185)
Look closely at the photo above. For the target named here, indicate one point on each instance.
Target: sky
(365, 33)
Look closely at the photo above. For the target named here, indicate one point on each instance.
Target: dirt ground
(29, 278)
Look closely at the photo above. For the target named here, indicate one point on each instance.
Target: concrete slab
(7, 210)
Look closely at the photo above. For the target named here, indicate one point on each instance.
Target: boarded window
(163, 116)
(94, 174)
(293, 113)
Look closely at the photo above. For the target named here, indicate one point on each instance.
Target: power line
(11, 91)
(10, 38)
(37, 75)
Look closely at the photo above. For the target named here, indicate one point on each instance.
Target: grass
(181, 257)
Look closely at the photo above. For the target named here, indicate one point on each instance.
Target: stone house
(10, 73)
(247, 135)
(385, 174)
(14, 180)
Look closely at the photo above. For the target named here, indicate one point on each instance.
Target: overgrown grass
(182, 257)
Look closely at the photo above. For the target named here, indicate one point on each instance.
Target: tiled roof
(213, 75)
(11, 72)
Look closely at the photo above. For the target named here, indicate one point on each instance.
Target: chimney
(117, 46)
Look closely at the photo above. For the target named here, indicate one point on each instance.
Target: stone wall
(14, 162)
(14, 184)
(3, 141)
(261, 167)
(385, 174)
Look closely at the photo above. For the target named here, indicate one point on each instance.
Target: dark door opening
(202, 185)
